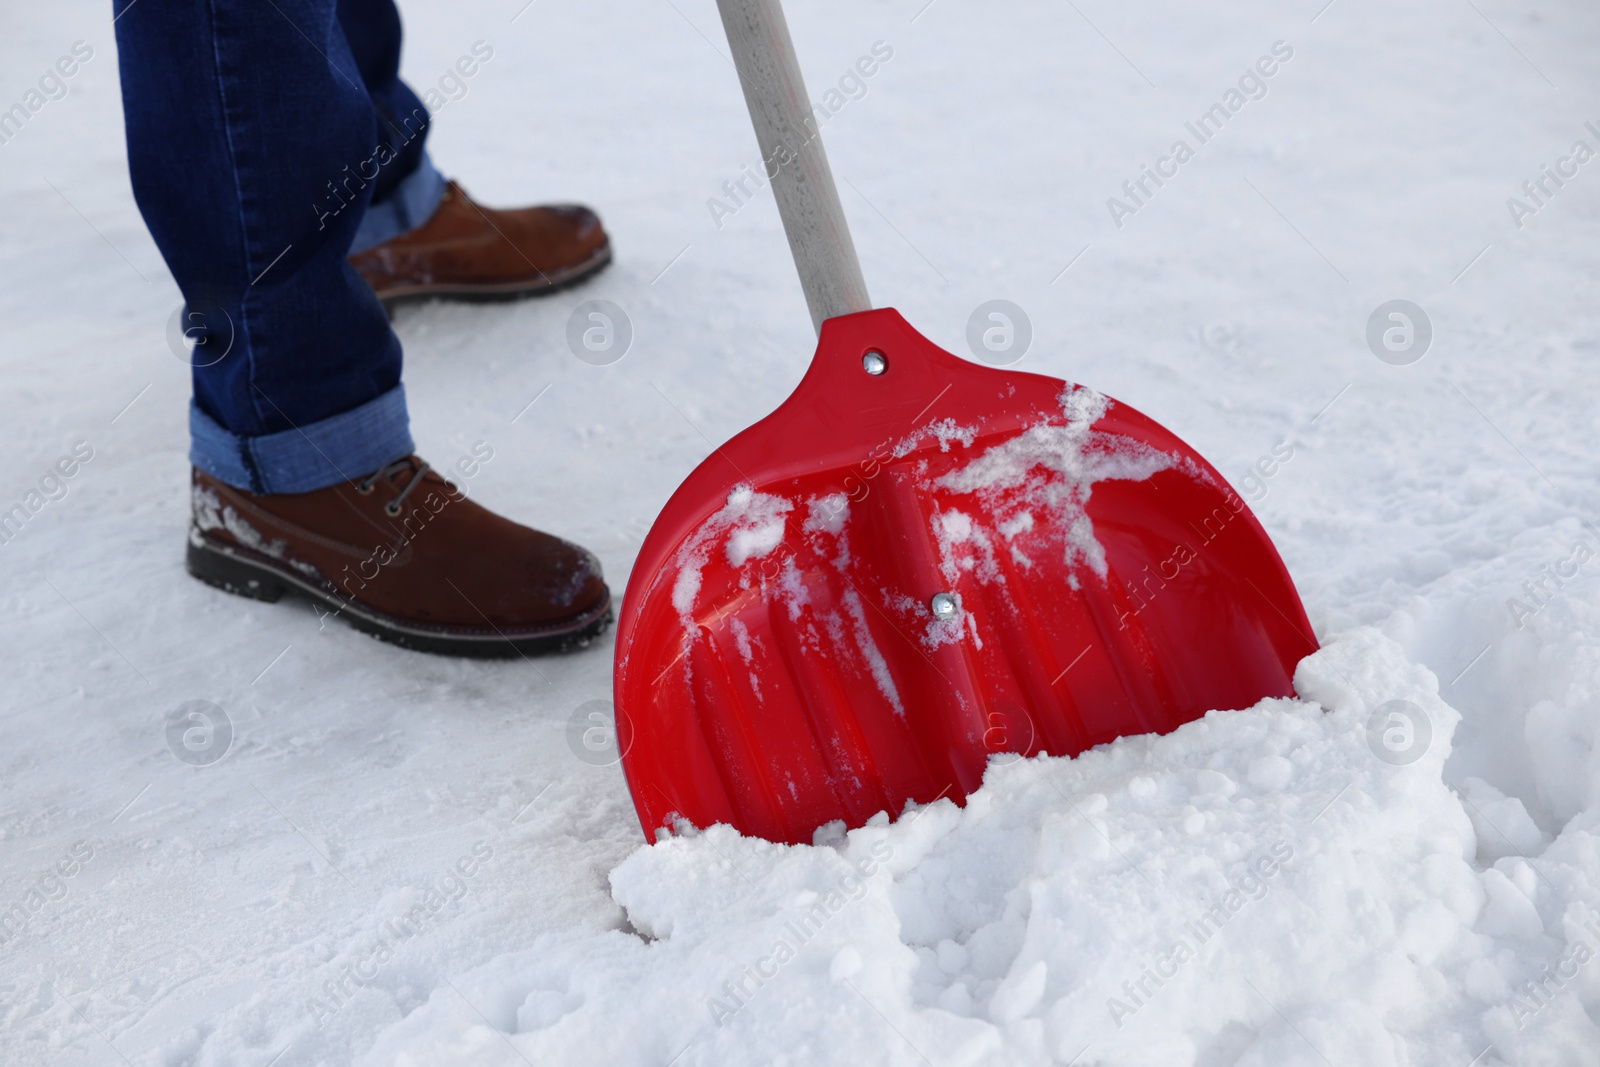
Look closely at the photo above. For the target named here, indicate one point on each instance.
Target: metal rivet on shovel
(944, 606)
(874, 363)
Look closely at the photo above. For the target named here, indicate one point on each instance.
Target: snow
(749, 526)
(1050, 466)
(1066, 908)
(406, 860)
(1070, 448)
(869, 647)
(827, 514)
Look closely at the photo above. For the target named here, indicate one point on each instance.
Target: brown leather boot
(469, 251)
(403, 555)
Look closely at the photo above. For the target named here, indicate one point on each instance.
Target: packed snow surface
(408, 861)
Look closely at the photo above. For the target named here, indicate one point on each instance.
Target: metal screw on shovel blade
(944, 606)
(874, 363)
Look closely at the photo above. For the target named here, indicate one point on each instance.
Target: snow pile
(1260, 887)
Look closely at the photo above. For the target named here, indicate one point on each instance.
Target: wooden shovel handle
(792, 153)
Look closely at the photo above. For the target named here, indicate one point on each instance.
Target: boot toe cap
(574, 580)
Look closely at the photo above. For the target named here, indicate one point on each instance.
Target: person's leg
(407, 188)
(423, 237)
(248, 127)
(254, 148)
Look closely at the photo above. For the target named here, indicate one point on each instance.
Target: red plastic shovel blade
(858, 600)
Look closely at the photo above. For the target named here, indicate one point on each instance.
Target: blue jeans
(266, 141)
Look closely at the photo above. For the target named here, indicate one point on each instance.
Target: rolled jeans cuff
(410, 205)
(337, 449)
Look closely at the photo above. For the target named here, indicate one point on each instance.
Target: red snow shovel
(918, 562)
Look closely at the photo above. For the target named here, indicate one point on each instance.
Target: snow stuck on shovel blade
(1050, 468)
(1035, 484)
(751, 524)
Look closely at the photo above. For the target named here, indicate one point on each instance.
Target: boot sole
(505, 291)
(244, 575)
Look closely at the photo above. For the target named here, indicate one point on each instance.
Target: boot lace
(392, 508)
